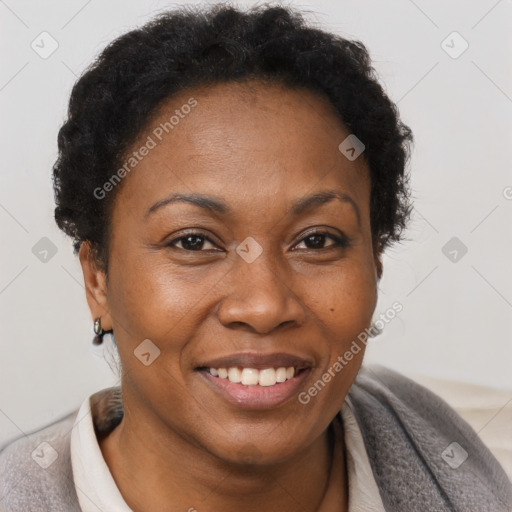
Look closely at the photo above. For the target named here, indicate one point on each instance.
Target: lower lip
(256, 397)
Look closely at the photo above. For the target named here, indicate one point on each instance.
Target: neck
(153, 467)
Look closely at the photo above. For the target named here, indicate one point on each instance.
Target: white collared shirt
(97, 490)
(95, 486)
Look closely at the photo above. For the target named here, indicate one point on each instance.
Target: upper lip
(258, 361)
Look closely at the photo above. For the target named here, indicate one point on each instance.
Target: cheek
(150, 298)
(154, 300)
(343, 303)
(344, 299)
(154, 313)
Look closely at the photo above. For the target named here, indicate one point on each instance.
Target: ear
(378, 266)
(95, 286)
(377, 257)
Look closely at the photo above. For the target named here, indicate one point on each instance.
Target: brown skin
(258, 147)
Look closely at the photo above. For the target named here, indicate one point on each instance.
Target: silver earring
(99, 332)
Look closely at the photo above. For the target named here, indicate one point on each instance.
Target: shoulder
(35, 470)
(421, 450)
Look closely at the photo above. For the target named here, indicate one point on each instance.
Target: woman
(230, 181)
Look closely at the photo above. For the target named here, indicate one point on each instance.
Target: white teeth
(267, 377)
(234, 375)
(281, 374)
(254, 377)
(250, 376)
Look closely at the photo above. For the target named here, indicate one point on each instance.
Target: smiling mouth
(256, 389)
(253, 377)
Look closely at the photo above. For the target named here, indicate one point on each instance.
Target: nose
(259, 297)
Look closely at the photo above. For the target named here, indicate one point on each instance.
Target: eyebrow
(314, 201)
(206, 202)
(216, 205)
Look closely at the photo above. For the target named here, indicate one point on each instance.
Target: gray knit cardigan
(409, 434)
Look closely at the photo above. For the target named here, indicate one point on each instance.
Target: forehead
(240, 140)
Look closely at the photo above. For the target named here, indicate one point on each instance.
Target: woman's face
(254, 274)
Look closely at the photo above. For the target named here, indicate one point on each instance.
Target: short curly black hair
(198, 46)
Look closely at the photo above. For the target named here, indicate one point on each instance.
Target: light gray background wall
(457, 316)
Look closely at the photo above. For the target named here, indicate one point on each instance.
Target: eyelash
(341, 242)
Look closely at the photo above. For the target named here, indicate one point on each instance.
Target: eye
(196, 241)
(316, 240)
(193, 241)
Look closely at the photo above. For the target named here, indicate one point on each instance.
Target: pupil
(317, 240)
(193, 245)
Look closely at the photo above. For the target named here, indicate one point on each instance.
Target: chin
(256, 451)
